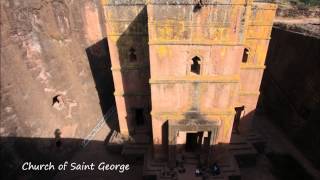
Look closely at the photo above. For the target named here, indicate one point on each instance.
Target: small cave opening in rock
(56, 99)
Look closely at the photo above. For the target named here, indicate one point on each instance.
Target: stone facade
(183, 66)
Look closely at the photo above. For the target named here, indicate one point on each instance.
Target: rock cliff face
(52, 57)
(290, 89)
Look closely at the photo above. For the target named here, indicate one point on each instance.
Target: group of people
(214, 170)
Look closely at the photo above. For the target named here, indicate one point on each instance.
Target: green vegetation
(310, 2)
(302, 2)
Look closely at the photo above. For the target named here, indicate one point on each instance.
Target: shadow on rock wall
(290, 89)
(100, 64)
(135, 69)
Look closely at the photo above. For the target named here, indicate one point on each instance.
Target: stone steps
(152, 167)
(244, 152)
(137, 147)
(141, 138)
(257, 141)
(133, 151)
(191, 159)
(239, 145)
(162, 171)
(255, 137)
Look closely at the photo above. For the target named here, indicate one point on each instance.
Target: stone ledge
(251, 66)
(181, 115)
(182, 23)
(131, 67)
(130, 94)
(200, 79)
(188, 42)
(249, 93)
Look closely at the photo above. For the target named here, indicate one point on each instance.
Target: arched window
(132, 55)
(195, 66)
(245, 55)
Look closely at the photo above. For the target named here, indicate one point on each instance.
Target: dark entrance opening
(191, 142)
(195, 66)
(139, 117)
(132, 55)
(237, 118)
(245, 55)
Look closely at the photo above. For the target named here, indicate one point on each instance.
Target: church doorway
(139, 117)
(191, 142)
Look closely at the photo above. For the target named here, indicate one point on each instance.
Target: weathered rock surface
(45, 45)
(55, 77)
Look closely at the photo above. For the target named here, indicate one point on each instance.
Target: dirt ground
(303, 25)
(303, 20)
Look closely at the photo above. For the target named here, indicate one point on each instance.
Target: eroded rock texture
(290, 89)
(55, 81)
(50, 49)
